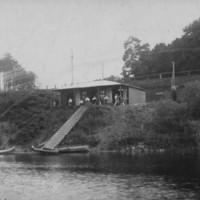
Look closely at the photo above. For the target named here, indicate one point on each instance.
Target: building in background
(16, 80)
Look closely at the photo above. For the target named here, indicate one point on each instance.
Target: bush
(94, 118)
(170, 119)
(169, 116)
(195, 129)
(32, 118)
(191, 96)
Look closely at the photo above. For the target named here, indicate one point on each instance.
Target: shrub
(191, 96)
(169, 116)
(95, 117)
(195, 129)
(170, 119)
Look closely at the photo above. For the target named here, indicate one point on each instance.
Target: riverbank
(151, 127)
(131, 128)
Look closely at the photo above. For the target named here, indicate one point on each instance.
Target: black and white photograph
(99, 99)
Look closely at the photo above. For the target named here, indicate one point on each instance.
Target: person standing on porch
(70, 102)
(81, 102)
(105, 99)
(54, 104)
(87, 100)
(94, 100)
(116, 99)
(122, 101)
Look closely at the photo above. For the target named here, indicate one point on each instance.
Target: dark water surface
(100, 176)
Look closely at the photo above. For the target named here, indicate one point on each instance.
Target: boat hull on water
(45, 151)
(7, 151)
(69, 149)
(74, 149)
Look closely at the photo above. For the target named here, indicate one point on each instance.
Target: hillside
(31, 121)
(154, 87)
(29, 118)
(165, 82)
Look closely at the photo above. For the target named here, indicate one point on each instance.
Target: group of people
(118, 100)
(94, 100)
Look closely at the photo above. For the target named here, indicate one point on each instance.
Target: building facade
(104, 91)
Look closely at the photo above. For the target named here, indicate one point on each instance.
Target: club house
(103, 91)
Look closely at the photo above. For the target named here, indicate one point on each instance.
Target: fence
(167, 75)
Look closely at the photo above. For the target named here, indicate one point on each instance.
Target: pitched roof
(94, 84)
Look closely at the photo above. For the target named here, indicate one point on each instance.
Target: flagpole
(72, 68)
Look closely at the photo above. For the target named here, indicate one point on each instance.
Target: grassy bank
(162, 125)
(28, 119)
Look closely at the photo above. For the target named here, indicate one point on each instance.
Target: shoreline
(123, 151)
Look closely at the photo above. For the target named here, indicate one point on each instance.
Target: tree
(159, 60)
(184, 51)
(192, 33)
(187, 48)
(8, 63)
(15, 76)
(135, 57)
(112, 78)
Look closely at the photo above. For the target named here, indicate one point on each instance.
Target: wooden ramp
(65, 129)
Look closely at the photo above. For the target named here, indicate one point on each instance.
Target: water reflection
(100, 176)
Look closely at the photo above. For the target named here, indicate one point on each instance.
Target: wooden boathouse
(101, 89)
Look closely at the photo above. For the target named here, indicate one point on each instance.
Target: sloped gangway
(65, 129)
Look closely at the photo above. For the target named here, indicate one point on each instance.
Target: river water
(100, 176)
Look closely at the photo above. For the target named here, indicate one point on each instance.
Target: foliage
(169, 116)
(7, 63)
(184, 51)
(15, 76)
(170, 121)
(191, 95)
(9, 98)
(163, 124)
(126, 129)
(160, 125)
(112, 78)
(134, 56)
(195, 129)
(94, 119)
(32, 118)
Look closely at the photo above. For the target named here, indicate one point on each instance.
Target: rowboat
(7, 151)
(45, 151)
(74, 149)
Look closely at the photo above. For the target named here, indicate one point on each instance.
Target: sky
(42, 35)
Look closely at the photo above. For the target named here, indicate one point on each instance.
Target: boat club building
(100, 89)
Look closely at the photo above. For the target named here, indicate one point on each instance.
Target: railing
(166, 75)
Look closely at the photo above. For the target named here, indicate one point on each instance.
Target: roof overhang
(103, 83)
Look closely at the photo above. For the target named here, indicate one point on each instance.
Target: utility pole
(72, 68)
(173, 85)
(102, 71)
(173, 74)
(0, 81)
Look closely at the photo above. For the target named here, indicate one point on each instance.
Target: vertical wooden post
(74, 97)
(120, 88)
(98, 96)
(51, 99)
